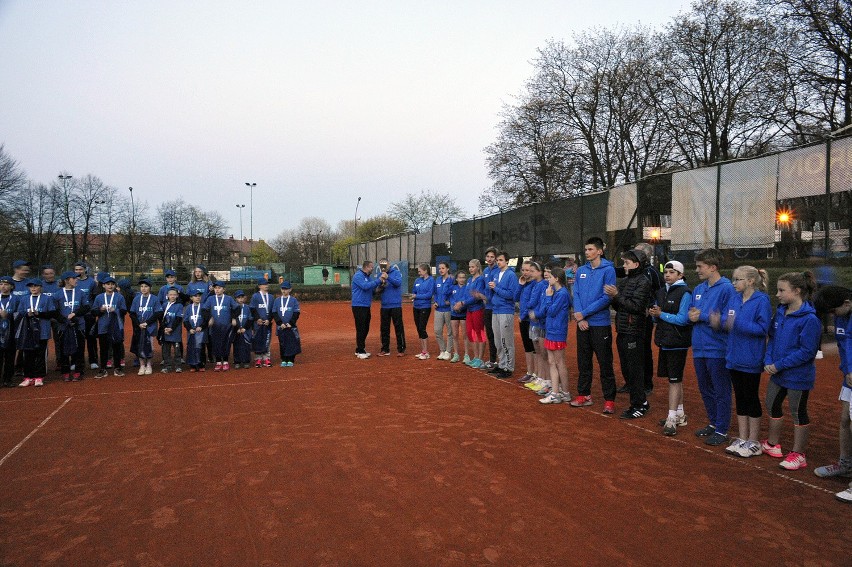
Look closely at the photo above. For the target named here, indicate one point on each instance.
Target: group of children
(77, 309)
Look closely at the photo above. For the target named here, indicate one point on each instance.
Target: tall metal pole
(241, 207)
(65, 179)
(132, 230)
(318, 246)
(251, 187)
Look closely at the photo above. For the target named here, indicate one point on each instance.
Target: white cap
(675, 265)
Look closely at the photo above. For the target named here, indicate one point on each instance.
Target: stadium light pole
(241, 207)
(251, 187)
(318, 246)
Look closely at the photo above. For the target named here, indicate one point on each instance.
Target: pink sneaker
(267, 363)
(609, 407)
(794, 461)
(225, 367)
(26, 382)
(218, 367)
(38, 382)
(581, 401)
(771, 450)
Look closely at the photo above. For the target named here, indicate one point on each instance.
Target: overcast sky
(316, 102)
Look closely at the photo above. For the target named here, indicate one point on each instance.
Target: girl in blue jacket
(535, 305)
(145, 312)
(793, 343)
(443, 311)
(475, 304)
(222, 310)
(422, 292)
(837, 300)
(557, 308)
(458, 315)
(746, 319)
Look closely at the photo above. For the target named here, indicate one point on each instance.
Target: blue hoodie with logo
(793, 344)
(363, 287)
(442, 293)
(589, 296)
(392, 289)
(707, 342)
(747, 337)
(503, 294)
(423, 290)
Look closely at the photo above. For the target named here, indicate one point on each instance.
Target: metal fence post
(718, 204)
(827, 245)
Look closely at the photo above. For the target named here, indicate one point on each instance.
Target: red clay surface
(391, 461)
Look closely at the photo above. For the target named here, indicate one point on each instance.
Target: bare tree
(39, 222)
(418, 212)
(12, 181)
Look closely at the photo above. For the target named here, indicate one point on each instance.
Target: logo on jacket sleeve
(582, 276)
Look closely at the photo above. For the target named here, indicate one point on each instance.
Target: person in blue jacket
(8, 306)
(474, 304)
(422, 293)
(837, 301)
(87, 286)
(503, 286)
(557, 308)
(538, 321)
(363, 287)
(35, 311)
(390, 290)
(162, 297)
(526, 285)
(443, 311)
(243, 334)
(709, 345)
(261, 314)
(594, 325)
(72, 307)
(145, 313)
(488, 311)
(458, 314)
(110, 308)
(171, 333)
(286, 312)
(195, 322)
(222, 310)
(794, 336)
(746, 319)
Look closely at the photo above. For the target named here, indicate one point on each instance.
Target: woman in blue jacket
(422, 292)
(793, 343)
(557, 309)
(746, 319)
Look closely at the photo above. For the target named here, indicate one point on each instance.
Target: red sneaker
(267, 363)
(218, 367)
(609, 407)
(581, 401)
(66, 377)
(258, 363)
(225, 367)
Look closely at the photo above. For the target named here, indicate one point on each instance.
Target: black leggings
(421, 319)
(529, 346)
(775, 395)
(747, 393)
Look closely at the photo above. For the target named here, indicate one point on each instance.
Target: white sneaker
(148, 369)
(734, 447)
(363, 355)
(834, 469)
(444, 356)
(845, 496)
(141, 371)
(551, 398)
(423, 355)
(749, 449)
(93, 366)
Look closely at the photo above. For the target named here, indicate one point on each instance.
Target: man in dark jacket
(631, 300)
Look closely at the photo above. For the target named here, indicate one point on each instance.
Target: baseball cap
(674, 265)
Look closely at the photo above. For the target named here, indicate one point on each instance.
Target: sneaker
(289, 364)
(794, 461)
(581, 401)
(455, 358)
(635, 413)
(466, 360)
(545, 390)
(734, 447)
(26, 382)
(177, 370)
(218, 367)
(225, 367)
(526, 378)
(609, 408)
(670, 427)
(66, 377)
(76, 377)
(834, 469)
(384, 353)
(504, 374)
(716, 439)
(38, 382)
(750, 449)
(400, 354)
(191, 369)
(118, 372)
(845, 496)
(259, 363)
(488, 365)
(164, 370)
(771, 450)
(534, 384)
(93, 366)
(422, 356)
(202, 369)
(101, 374)
(141, 371)
(476, 363)
(540, 385)
(267, 363)
(149, 369)
(109, 364)
(819, 355)
(705, 431)
(284, 364)
(551, 398)
(360, 355)
(495, 370)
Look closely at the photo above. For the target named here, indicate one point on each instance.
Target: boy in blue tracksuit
(363, 287)
(71, 306)
(222, 310)
(709, 345)
(488, 313)
(837, 301)
(195, 321)
(261, 314)
(503, 287)
(390, 291)
(794, 337)
(87, 286)
(110, 307)
(594, 325)
(286, 311)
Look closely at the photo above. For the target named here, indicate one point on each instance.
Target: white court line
(173, 389)
(33, 432)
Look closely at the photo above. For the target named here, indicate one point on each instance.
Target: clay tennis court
(390, 461)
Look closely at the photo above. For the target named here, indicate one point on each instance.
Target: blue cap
(102, 276)
(173, 288)
(107, 278)
(143, 281)
(68, 274)
(217, 283)
(171, 273)
(34, 281)
(123, 283)
(18, 263)
(196, 292)
(82, 264)
(286, 285)
(262, 281)
(202, 267)
(7, 279)
(238, 293)
(48, 266)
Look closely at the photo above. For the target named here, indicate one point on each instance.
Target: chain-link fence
(792, 204)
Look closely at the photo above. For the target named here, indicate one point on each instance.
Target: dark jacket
(631, 303)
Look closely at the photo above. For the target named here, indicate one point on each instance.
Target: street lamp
(132, 231)
(251, 187)
(318, 246)
(358, 202)
(241, 207)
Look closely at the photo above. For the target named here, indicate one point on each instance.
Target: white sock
(672, 414)
(680, 409)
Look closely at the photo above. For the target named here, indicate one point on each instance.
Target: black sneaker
(634, 413)
(716, 439)
(495, 370)
(503, 374)
(705, 431)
